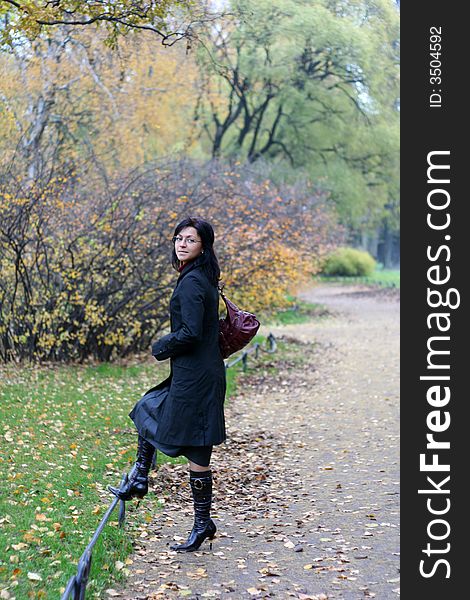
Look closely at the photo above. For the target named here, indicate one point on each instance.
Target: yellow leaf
(19, 546)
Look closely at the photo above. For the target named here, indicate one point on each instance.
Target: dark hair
(208, 260)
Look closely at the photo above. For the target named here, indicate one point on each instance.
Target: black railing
(77, 583)
(254, 349)
(76, 586)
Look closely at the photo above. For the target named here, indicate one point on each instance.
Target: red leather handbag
(237, 329)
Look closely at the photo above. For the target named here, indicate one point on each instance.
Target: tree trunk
(388, 247)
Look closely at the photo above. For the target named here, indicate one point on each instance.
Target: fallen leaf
(19, 546)
(199, 573)
(268, 571)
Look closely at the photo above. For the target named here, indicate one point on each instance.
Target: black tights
(201, 455)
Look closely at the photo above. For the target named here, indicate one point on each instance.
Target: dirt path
(306, 488)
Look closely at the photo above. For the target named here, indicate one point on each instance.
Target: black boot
(204, 527)
(137, 484)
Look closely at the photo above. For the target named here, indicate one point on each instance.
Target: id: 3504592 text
(435, 67)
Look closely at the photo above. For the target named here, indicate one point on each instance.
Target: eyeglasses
(191, 241)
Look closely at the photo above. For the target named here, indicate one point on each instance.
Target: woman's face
(188, 244)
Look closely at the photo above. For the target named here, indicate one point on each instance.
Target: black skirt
(145, 415)
(201, 455)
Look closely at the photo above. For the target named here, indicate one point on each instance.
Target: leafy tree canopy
(310, 84)
(30, 17)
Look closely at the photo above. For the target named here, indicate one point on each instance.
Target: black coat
(193, 412)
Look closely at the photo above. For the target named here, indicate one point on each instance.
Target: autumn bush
(349, 262)
(85, 260)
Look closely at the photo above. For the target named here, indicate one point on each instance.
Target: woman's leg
(137, 484)
(198, 468)
(200, 479)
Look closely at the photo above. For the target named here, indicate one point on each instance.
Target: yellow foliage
(141, 99)
(91, 279)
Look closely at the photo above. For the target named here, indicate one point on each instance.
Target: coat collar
(196, 263)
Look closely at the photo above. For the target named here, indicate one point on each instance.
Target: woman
(184, 414)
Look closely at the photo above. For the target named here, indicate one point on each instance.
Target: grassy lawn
(382, 277)
(299, 312)
(65, 436)
(385, 277)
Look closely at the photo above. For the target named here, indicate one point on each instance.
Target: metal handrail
(76, 586)
(255, 348)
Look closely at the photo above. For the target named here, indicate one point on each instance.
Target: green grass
(300, 312)
(65, 436)
(381, 277)
(231, 382)
(385, 277)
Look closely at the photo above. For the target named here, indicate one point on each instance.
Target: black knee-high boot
(137, 484)
(204, 527)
